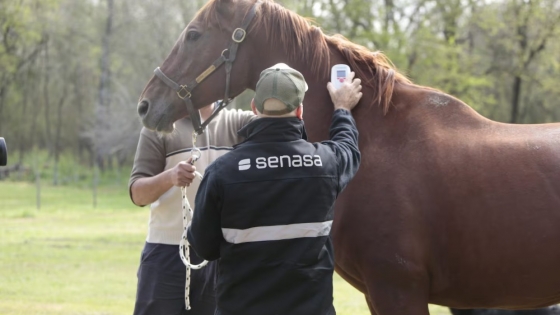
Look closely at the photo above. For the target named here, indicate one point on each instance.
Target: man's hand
(348, 95)
(182, 174)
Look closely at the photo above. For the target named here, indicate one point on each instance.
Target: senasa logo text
(282, 161)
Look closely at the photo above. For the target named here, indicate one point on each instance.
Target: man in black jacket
(266, 208)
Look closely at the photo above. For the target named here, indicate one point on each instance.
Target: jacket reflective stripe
(277, 232)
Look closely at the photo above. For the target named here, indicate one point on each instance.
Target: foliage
(498, 56)
(68, 258)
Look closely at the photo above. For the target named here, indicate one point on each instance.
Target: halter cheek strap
(184, 92)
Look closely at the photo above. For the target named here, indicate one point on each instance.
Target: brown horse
(448, 207)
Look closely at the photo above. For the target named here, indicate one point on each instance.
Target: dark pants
(161, 283)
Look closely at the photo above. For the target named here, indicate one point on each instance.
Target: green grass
(68, 258)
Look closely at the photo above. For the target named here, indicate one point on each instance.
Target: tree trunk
(389, 15)
(104, 97)
(46, 100)
(2, 98)
(22, 140)
(517, 82)
(57, 146)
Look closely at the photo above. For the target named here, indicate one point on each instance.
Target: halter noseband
(185, 91)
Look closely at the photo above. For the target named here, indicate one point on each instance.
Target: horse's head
(188, 72)
(274, 35)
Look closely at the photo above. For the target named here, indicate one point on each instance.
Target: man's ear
(253, 107)
(299, 112)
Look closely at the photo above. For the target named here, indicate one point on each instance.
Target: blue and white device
(338, 74)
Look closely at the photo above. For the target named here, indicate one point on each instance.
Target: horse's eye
(193, 35)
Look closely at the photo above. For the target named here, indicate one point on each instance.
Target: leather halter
(185, 91)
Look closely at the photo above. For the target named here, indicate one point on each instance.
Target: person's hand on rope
(182, 174)
(348, 95)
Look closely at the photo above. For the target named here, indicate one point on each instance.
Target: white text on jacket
(282, 161)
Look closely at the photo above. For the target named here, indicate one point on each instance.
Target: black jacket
(266, 208)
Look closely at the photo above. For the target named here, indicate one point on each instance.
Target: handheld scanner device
(338, 74)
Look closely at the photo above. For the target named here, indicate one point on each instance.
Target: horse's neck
(411, 106)
(413, 109)
(318, 107)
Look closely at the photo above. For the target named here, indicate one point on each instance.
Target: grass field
(68, 258)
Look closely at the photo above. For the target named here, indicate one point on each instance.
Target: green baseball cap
(282, 83)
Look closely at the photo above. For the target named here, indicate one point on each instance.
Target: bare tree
(104, 96)
(534, 27)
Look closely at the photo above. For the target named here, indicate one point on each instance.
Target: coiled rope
(184, 251)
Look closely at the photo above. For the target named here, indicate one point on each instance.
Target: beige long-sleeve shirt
(157, 153)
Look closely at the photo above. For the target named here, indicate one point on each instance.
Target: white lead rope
(187, 217)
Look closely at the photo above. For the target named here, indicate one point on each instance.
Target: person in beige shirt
(160, 169)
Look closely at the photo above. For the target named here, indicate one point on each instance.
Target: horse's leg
(399, 294)
(356, 283)
(370, 306)
(359, 285)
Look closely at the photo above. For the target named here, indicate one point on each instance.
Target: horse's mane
(295, 32)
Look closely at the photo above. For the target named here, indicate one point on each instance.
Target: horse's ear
(225, 8)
